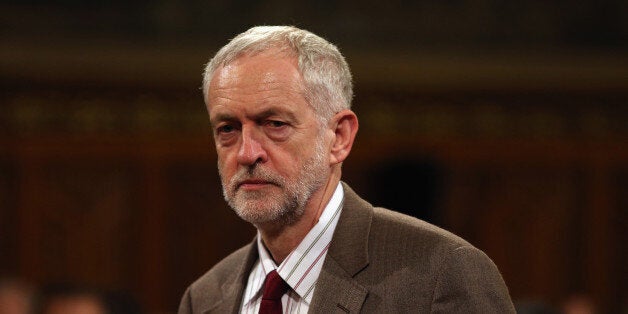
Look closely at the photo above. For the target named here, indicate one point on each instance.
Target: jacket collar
(336, 287)
(233, 288)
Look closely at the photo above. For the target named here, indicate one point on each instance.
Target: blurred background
(502, 121)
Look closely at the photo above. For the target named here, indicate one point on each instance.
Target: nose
(251, 149)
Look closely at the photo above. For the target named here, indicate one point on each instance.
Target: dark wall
(505, 123)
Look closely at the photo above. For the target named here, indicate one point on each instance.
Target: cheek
(288, 161)
(223, 162)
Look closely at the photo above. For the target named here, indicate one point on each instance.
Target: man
(279, 104)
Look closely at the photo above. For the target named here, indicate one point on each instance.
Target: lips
(254, 184)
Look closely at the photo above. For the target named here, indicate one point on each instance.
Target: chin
(260, 213)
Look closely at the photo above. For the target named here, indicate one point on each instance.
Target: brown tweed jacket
(379, 261)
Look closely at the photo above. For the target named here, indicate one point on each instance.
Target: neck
(280, 240)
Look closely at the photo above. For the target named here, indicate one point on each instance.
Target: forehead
(270, 69)
(268, 81)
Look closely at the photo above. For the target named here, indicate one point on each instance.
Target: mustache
(255, 173)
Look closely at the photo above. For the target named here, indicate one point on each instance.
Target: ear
(345, 126)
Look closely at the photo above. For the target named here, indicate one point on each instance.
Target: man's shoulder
(443, 266)
(387, 222)
(215, 286)
(393, 230)
(398, 238)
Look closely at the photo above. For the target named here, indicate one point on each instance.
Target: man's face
(271, 152)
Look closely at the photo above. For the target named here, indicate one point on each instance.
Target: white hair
(326, 75)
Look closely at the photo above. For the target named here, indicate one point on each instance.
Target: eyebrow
(221, 117)
(257, 116)
(272, 111)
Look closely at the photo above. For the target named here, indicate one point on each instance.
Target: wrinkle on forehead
(255, 74)
(260, 60)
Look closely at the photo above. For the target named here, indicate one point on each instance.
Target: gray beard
(284, 207)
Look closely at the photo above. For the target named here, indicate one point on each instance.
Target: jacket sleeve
(469, 282)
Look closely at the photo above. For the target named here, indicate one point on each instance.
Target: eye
(275, 123)
(225, 129)
(277, 130)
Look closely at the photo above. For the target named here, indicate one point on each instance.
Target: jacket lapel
(336, 289)
(233, 289)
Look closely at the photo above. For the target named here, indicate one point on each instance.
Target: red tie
(274, 288)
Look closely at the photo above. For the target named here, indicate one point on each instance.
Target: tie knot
(274, 286)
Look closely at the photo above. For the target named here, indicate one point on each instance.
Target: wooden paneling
(8, 214)
(134, 202)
